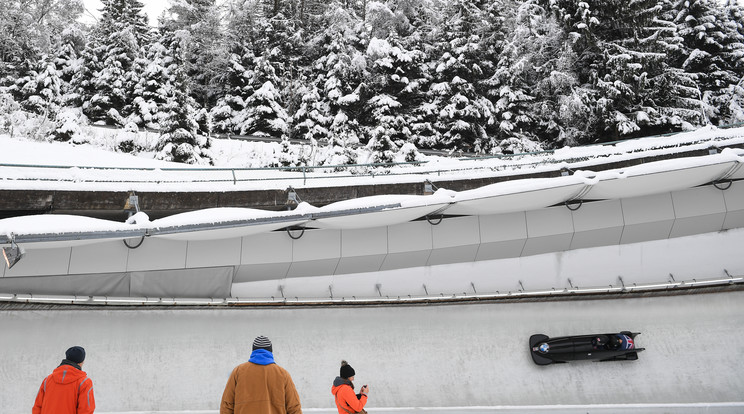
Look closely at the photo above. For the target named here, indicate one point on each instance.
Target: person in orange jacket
(260, 386)
(67, 390)
(343, 389)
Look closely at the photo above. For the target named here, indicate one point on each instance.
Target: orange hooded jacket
(346, 400)
(68, 390)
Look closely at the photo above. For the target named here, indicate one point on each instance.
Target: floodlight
(12, 254)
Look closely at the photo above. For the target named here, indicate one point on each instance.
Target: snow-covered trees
(394, 84)
(337, 74)
(461, 112)
(118, 40)
(203, 52)
(487, 76)
(179, 141)
(40, 91)
(525, 54)
(258, 71)
(713, 47)
(30, 29)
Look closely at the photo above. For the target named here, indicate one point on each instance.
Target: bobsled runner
(600, 347)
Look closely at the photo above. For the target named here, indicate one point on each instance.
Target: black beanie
(346, 370)
(262, 342)
(75, 354)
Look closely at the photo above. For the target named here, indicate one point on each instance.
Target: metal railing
(573, 292)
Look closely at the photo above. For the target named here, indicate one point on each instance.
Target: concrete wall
(427, 356)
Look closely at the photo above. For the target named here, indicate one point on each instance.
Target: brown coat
(260, 389)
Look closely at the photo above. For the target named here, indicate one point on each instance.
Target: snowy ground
(20, 158)
(725, 408)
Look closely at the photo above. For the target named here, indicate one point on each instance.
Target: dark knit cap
(262, 342)
(75, 354)
(346, 370)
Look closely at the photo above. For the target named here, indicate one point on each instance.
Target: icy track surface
(415, 359)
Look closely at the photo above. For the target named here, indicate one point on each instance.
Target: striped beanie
(262, 342)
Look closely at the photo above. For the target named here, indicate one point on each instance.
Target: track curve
(411, 356)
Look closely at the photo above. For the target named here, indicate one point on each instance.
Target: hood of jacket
(262, 357)
(340, 382)
(68, 372)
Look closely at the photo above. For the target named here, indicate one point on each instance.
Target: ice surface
(411, 356)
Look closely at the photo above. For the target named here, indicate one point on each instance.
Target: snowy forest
(391, 76)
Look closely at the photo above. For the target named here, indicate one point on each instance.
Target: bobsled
(600, 347)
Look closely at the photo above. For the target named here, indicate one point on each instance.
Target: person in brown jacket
(260, 386)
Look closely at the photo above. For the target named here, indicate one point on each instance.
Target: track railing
(669, 286)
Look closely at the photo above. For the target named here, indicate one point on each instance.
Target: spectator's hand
(365, 389)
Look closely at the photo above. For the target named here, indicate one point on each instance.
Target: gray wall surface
(412, 356)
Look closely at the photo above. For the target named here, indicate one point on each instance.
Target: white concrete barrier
(472, 355)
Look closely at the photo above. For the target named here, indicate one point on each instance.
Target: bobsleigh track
(414, 358)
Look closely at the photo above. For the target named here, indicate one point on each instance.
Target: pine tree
(40, 91)
(68, 61)
(198, 24)
(533, 82)
(106, 87)
(118, 15)
(413, 22)
(284, 48)
(264, 113)
(395, 86)
(645, 94)
(513, 81)
(730, 103)
(629, 85)
(179, 141)
(113, 83)
(702, 55)
(30, 29)
(311, 121)
(238, 84)
(462, 113)
(338, 75)
(154, 89)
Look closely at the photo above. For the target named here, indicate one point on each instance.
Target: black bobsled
(602, 347)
